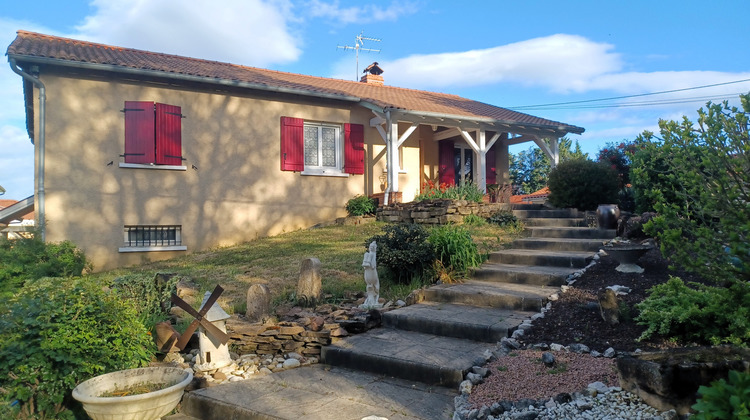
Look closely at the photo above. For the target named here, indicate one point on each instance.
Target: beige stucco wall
(233, 189)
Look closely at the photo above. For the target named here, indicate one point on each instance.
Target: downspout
(388, 152)
(40, 162)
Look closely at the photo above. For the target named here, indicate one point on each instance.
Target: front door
(463, 163)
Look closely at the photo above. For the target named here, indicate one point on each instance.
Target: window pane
(328, 147)
(311, 146)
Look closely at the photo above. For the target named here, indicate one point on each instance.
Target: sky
(513, 54)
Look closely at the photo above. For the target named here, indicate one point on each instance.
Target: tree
(701, 190)
(529, 170)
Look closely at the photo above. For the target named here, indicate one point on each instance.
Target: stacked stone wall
(436, 212)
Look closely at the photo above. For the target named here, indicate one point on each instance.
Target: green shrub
(468, 192)
(25, 259)
(454, 248)
(57, 333)
(403, 251)
(699, 189)
(474, 220)
(361, 205)
(725, 399)
(503, 218)
(582, 184)
(150, 294)
(702, 314)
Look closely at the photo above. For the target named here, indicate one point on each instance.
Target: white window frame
(171, 245)
(339, 141)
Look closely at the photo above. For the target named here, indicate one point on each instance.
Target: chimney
(372, 75)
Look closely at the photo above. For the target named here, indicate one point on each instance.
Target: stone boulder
(670, 379)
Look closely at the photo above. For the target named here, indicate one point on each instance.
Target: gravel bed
(521, 374)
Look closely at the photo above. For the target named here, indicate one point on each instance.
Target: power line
(547, 106)
(651, 103)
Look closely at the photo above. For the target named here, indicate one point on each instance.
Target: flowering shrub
(432, 190)
(618, 156)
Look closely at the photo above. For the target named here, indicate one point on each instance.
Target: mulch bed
(575, 317)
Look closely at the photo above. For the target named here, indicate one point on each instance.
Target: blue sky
(506, 53)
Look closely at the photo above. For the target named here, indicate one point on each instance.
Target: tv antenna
(358, 46)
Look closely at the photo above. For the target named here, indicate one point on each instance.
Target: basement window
(148, 238)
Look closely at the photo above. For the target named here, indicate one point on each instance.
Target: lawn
(275, 261)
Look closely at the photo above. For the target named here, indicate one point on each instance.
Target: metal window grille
(153, 235)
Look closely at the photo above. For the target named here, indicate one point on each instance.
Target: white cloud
(250, 32)
(360, 14)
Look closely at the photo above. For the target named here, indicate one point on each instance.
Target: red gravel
(522, 374)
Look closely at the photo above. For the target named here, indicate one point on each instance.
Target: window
(152, 238)
(322, 146)
(153, 134)
(319, 149)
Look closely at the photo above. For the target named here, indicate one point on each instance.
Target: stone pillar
(310, 284)
(258, 303)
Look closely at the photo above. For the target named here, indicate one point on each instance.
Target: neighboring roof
(11, 210)
(34, 47)
(529, 198)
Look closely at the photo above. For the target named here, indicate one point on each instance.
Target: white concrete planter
(148, 406)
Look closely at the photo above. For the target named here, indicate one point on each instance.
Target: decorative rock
(291, 363)
(553, 297)
(481, 371)
(316, 323)
(219, 376)
(258, 303)
(510, 343)
(609, 307)
(464, 388)
(400, 303)
(610, 353)
(474, 378)
(548, 359)
(669, 415)
(620, 290)
(595, 353)
(579, 348)
(556, 347)
(309, 284)
(598, 387)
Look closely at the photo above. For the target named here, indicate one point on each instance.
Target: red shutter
(168, 135)
(490, 165)
(446, 169)
(139, 132)
(354, 148)
(292, 144)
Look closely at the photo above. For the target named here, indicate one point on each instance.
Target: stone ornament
(371, 278)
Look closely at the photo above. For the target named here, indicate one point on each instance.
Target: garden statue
(371, 278)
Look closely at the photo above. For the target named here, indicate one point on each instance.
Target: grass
(275, 261)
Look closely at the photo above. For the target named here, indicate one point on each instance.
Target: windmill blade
(218, 290)
(185, 306)
(185, 337)
(214, 331)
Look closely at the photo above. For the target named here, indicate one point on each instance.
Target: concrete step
(489, 325)
(542, 258)
(559, 244)
(555, 213)
(523, 274)
(409, 355)
(319, 392)
(571, 232)
(491, 294)
(552, 221)
(528, 207)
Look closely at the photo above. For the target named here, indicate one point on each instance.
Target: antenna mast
(358, 43)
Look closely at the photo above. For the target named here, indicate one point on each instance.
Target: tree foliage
(698, 180)
(529, 169)
(582, 184)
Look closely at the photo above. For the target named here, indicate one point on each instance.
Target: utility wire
(651, 103)
(548, 106)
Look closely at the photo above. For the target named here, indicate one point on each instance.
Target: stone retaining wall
(279, 339)
(436, 212)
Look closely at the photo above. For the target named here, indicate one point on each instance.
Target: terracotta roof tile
(30, 44)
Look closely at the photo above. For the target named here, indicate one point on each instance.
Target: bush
(468, 192)
(582, 184)
(361, 205)
(503, 218)
(702, 314)
(700, 191)
(149, 294)
(59, 332)
(725, 399)
(403, 251)
(455, 249)
(618, 157)
(26, 259)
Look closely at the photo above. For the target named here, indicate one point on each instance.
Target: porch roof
(414, 105)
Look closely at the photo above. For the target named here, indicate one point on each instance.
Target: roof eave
(177, 76)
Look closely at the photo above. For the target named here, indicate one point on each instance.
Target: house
(143, 156)
(16, 218)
